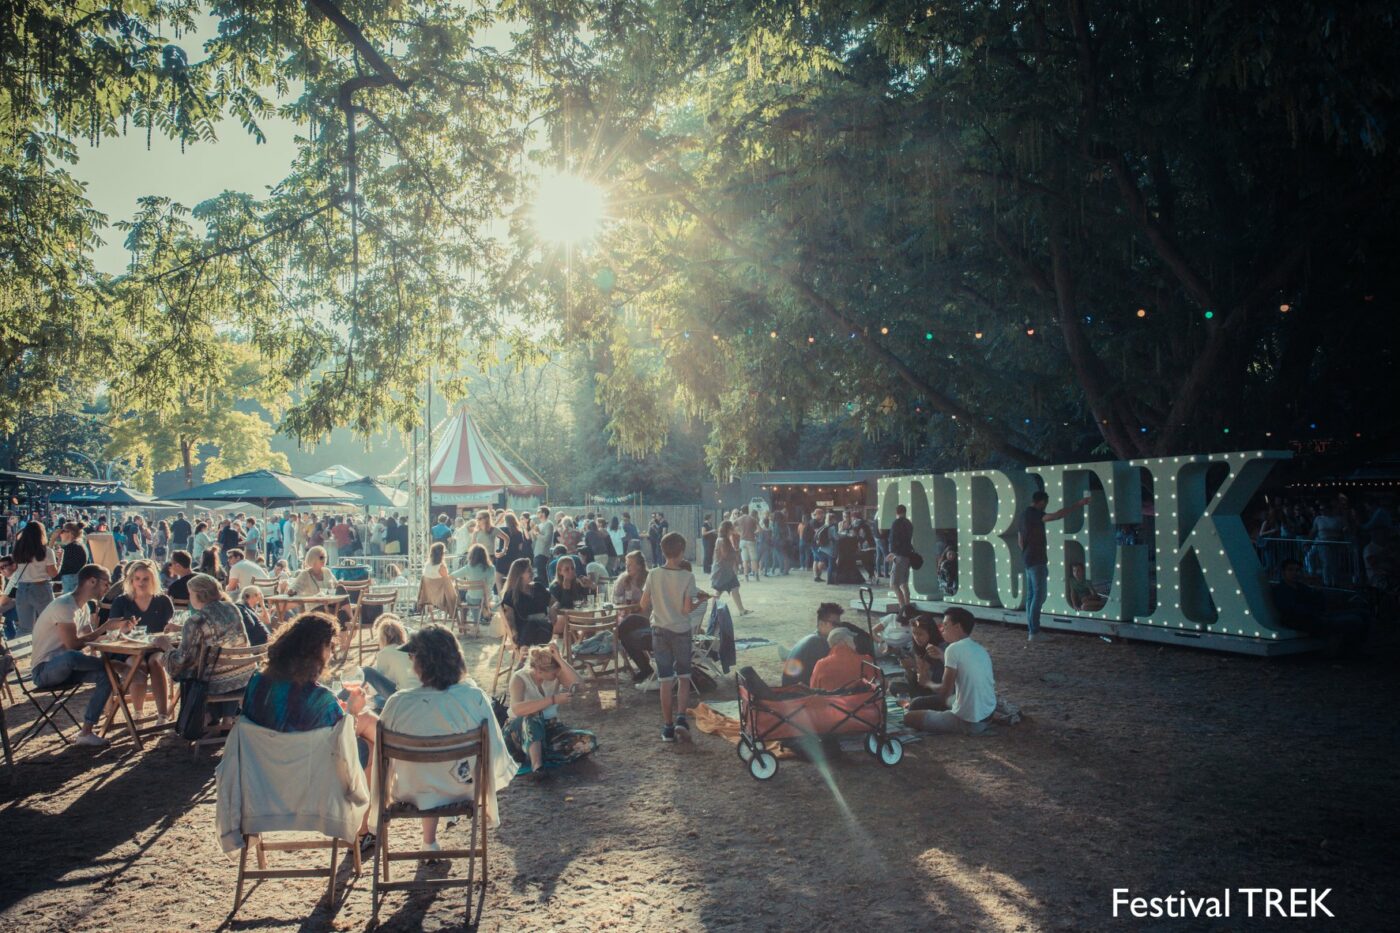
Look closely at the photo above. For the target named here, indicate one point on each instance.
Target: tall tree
(200, 424)
(935, 212)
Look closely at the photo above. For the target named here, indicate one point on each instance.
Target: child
(669, 596)
(893, 631)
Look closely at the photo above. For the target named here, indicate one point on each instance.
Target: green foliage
(950, 214)
(179, 431)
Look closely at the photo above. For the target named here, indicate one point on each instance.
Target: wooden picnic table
(138, 650)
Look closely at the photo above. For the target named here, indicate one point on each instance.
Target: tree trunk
(186, 449)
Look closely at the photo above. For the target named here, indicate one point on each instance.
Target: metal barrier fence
(1338, 563)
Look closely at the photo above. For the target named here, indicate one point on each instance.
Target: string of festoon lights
(1028, 327)
(1030, 330)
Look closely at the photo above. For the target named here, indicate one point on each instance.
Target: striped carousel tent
(468, 468)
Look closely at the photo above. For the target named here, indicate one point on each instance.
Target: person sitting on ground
(142, 603)
(393, 666)
(396, 576)
(534, 733)
(1082, 595)
(569, 590)
(242, 571)
(444, 702)
(797, 668)
(1305, 609)
(213, 620)
(533, 616)
(61, 632)
(923, 666)
(181, 569)
(257, 618)
(967, 697)
(842, 668)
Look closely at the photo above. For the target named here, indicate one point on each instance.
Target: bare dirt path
(1143, 767)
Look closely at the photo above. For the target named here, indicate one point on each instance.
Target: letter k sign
(1208, 575)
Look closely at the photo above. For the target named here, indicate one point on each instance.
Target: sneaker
(162, 720)
(1030, 636)
(651, 684)
(432, 847)
(682, 730)
(90, 738)
(668, 733)
(638, 678)
(746, 612)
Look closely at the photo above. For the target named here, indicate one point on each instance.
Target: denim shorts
(671, 653)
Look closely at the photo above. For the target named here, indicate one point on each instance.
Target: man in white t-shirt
(242, 571)
(60, 634)
(964, 703)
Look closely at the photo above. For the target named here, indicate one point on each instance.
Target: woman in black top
(142, 600)
(75, 555)
(514, 547)
(531, 613)
(568, 589)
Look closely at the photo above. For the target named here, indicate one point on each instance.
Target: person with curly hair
(447, 703)
(534, 732)
(286, 695)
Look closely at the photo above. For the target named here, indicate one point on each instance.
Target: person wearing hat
(447, 703)
(803, 658)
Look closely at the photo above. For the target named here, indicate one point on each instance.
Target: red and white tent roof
(465, 463)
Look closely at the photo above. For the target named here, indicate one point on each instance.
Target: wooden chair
(213, 660)
(465, 606)
(268, 585)
(437, 600)
(509, 648)
(595, 668)
(393, 746)
(384, 599)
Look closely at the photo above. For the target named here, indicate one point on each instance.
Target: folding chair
(261, 846)
(214, 659)
(58, 697)
(596, 667)
(394, 746)
(384, 599)
(466, 607)
(509, 648)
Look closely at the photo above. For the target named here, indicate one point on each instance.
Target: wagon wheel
(872, 745)
(745, 751)
(891, 752)
(763, 766)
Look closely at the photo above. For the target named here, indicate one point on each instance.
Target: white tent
(335, 475)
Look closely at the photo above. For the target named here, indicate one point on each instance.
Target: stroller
(770, 714)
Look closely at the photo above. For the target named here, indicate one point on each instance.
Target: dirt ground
(1143, 767)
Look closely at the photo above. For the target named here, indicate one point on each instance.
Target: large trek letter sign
(1207, 576)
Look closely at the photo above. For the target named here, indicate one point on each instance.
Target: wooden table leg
(119, 689)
